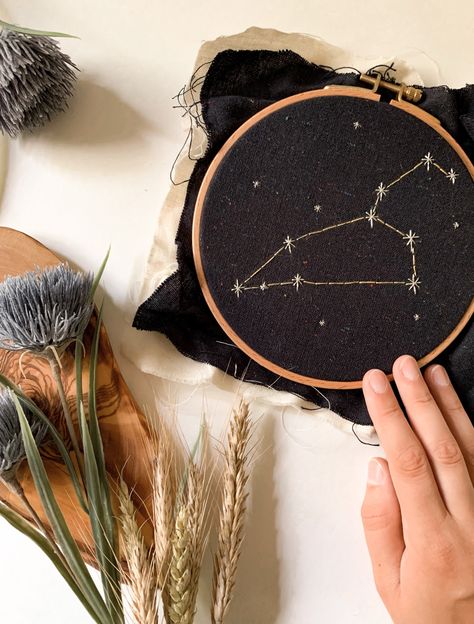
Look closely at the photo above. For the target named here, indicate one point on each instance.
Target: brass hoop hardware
(403, 91)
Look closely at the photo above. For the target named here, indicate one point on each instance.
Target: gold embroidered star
(237, 289)
(413, 283)
(297, 281)
(416, 317)
(357, 125)
(451, 175)
(256, 183)
(427, 160)
(381, 191)
(322, 322)
(371, 216)
(288, 243)
(317, 208)
(455, 225)
(263, 286)
(410, 238)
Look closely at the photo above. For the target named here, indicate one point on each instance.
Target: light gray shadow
(95, 115)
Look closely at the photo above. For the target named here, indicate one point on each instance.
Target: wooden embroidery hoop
(330, 91)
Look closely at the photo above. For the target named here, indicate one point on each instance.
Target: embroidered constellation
(413, 283)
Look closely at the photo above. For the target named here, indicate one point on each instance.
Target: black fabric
(237, 85)
(291, 178)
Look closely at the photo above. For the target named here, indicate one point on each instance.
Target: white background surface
(98, 175)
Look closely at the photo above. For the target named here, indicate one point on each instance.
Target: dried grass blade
(32, 31)
(106, 556)
(57, 439)
(58, 523)
(22, 525)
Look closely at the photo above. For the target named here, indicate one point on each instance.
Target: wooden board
(124, 428)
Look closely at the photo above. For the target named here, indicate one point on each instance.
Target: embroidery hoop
(333, 90)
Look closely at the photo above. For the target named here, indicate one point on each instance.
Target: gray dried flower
(44, 309)
(12, 450)
(36, 81)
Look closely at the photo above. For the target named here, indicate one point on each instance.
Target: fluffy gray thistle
(12, 450)
(43, 312)
(45, 309)
(36, 81)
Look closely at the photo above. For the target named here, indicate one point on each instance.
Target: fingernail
(439, 376)
(378, 381)
(409, 368)
(376, 474)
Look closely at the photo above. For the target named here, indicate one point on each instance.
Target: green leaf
(94, 427)
(78, 357)
(99, 274)
(58, 523)
(93, 418)
(197, 447)
(108, 563)
(107, 526)
(23, 526)
(32, 31)
(55, 435)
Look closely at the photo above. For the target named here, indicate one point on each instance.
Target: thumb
(382, 522)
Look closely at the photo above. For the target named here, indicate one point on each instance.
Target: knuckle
(389, 411)
(456, 409)
(469, 456)
(447, 452)
(412, 462)
(422, 399)
(375, 517)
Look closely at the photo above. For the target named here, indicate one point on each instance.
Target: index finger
(417, 491)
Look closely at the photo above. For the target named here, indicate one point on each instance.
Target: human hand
(418, 510)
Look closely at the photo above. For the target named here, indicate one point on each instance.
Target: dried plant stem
(15, 486)
(187, 547)
(232, 514)
(163, 506)
(181, 606)
(56, 372)
(197, 491)
(141, 572)
(164, 502)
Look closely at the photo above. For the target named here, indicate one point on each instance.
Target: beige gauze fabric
(152, 352)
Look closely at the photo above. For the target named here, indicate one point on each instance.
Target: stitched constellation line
(413, 283)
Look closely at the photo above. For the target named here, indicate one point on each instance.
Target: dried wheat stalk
(180, 609)
(232, 514)
(164, 501)
(197, 492)
(140, 575)
(187, 546)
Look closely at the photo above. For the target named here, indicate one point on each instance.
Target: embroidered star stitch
(372, 216)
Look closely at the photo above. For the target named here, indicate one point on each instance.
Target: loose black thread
(193, 112)
(360, 439)
(196, 121)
